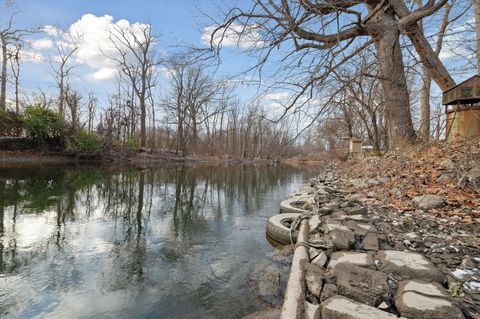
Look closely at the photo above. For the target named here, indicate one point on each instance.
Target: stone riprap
(356, 274)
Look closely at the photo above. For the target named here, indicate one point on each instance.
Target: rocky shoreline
(380, 263)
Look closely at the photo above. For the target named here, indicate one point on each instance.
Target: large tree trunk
(427, 78)
(476, 6)
(143, 131)
(425, 103)
(3, 90)
(394, 83)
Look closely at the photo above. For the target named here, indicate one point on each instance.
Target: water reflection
(170, 242)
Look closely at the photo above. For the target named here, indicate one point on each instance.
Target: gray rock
(408, 265)
(428, 201)
(313, 252)
(359, 183)
(311, 311)
(329, 290)
(360, 229)
(314, 279)
(356, 258)
(320, 260)
(361, 284)
(338, 307)
(471, 177)
(357, 210)
(421, 299)
(446, 177)
(331, 224)
(370, 242)
(341, 239)
(447, 164)
(314, 223)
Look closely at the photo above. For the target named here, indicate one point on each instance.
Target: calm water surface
(167, 242)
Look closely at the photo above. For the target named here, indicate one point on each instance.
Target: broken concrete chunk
(338, 307)
(357, 210)
(314, 279)
(320, 260)
(408, 265)
(313, 252)
(314, 223)
(360, 229)
(359, 259)
(361, 284)
(421, 299)
(329, 290)
(331, 224)
(428, 201)
(342, 240)
(370, 242)
(311, 311)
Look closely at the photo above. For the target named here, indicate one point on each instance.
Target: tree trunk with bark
(394, 83)
(3, 89)
(476, 6)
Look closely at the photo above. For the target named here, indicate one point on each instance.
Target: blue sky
(175, 21)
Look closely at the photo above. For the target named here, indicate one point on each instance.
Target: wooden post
(295, 294)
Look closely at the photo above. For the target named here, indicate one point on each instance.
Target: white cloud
(236, 35)
(42, 44)
(278, 96)
(31, 56)
(103, 74)
(92, 37)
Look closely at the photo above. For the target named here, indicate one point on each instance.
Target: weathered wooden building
(462, 109)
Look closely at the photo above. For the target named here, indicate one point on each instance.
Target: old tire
(278, 231)
(286, 206)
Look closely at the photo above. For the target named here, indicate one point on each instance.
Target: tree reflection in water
(132, 238)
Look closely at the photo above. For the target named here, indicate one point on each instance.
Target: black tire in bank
(278, 228)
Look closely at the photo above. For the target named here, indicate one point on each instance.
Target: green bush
(43, 124)
(11, 123)
(84, 141)
(132, 143)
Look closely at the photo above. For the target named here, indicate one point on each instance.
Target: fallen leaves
(416, 172)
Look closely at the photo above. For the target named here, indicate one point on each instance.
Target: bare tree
(14, 56)
(136, 59)
(8, 35)
(91, 109)
(427, 78)
(72, 101)
(61, 64)
(326, 28)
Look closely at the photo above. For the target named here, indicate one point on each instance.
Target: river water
(163, 242)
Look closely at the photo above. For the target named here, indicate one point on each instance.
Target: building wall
(464, 123)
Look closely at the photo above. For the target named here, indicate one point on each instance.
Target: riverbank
(408, 226)
(134, 158)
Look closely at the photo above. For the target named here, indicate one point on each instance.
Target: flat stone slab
(370, 242)
(331, 224)
(426, 300)
(361, 284)
(361, 229)
(408, 265)
(359, 259)
(428, 201)
(338, 307)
